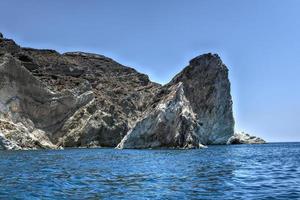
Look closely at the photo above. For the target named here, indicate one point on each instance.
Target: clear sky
(259, 41)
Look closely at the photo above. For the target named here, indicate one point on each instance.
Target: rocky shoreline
(77, 99)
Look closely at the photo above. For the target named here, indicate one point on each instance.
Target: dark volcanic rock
(79, 99)
(120, 93)
(207, 88)
(194, 109)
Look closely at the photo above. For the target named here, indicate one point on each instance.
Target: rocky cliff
(193, 110)
(76, 99)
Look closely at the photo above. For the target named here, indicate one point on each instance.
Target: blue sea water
(270, 171)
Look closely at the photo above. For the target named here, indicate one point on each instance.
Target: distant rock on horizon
(245, 138)
(77, 99)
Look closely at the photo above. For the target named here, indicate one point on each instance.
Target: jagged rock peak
(206, 56)
(201, 64)
(1, 35)
(207, 88)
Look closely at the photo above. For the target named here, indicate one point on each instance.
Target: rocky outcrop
(17, 136)
(25, 101)
(171, 123)
(244, 138)
(78, 99)
(193, 110)
(207, 88)
(24, 97)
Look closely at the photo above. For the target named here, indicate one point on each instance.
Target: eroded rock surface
(78, 99)
(171, 123)
(244, 138)
(207, 88)
(17, 136)
(193, 110)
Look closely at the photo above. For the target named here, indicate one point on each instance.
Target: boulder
(244, 138)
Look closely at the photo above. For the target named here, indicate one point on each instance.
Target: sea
(267, 171)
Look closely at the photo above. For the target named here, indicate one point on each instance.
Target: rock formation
(171, 123)
(76, 99)
(194, 109)
(207, 88)
(244, 138)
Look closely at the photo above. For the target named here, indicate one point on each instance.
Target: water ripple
(269, 171)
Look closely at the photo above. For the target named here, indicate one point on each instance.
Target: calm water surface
(270, 171)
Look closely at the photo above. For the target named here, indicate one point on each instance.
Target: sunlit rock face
(207, 88)
(193, 110)
(76, 99)
(24, 100)
(171, 123)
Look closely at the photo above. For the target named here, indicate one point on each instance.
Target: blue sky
(258, 40)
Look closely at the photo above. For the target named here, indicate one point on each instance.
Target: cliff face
(207, 88)
(171, 123)
(78, 99)
(194, 109)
